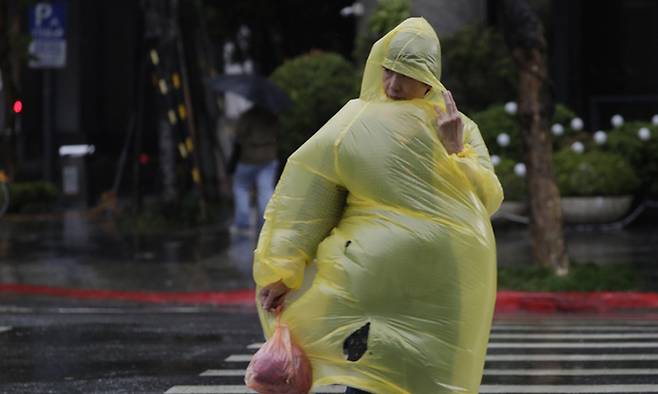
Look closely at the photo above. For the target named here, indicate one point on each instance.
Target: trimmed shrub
(514, 186)
(594, 173)
(495, 120)
(581, 277)
(478, 68)
(642, 155)
(31, 197)
(319, 84)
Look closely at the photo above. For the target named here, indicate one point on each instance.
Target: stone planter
(510, 208)
(594, 210)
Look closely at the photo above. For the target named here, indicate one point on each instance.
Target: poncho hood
(411, 49)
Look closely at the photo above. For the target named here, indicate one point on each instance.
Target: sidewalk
(73, 257)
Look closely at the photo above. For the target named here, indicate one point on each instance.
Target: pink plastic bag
(280, 366)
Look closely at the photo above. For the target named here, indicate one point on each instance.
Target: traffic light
(18, 106)
(144, 159)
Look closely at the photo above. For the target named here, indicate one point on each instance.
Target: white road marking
(572, 345)
(572, 388)
(574, 336)
(238, 358)
(105, 310)
(572, 357)
(570, 372)
(224, 372)
(235, 389)
(504, 372)
(595, 345)
(594, 327)
(594, 332)
(15, 309)
(209, 390)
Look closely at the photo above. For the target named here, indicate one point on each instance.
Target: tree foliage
(319, 84)
(387, 15)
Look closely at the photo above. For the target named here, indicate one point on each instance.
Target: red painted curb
(506, 301)
(236, 297)
(547, 302)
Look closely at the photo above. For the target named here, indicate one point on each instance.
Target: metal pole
(47, 123)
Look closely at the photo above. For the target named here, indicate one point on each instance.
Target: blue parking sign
(47, 22)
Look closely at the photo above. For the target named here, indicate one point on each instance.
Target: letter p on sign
(42, 12)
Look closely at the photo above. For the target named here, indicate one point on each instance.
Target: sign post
(48, 29)
(47, 50)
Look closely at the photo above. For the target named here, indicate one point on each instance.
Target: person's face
(401, 87)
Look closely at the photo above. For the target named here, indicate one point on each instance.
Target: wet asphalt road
(86, 348)
(91, 349)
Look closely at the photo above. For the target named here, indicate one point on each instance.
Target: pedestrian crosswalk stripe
(550, 345)
(4, 329)
(505, 372)
(594, 327)
(526, 357)
(571, 372)
(235, 389)
(238, 358)
(571, 345)
(509, 366)
(621, 321)
(258, 345)
(224, 372)
(574, 336)
(572, 357)
(215, 389)
(572, 388)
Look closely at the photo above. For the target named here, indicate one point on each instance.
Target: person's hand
(273, 295)
(450, 125)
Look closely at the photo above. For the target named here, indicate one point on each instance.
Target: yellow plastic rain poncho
(373, 222)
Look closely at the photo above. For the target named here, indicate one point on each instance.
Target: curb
(235, 297)
(506, 301)
(599, 301)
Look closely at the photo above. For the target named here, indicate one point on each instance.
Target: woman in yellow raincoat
(378, 235)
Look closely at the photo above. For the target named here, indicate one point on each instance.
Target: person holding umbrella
(254, 160)
(257, 164)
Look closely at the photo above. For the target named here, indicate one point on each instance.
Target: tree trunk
(525, 38)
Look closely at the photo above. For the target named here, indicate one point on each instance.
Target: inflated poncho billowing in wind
(378, 229)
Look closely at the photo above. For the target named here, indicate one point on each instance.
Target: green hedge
(31, 197)
(594, 173)
(642, 155)
(581, 277)
(478, 68)
(495, 120)
(319, 84)
(514, 186)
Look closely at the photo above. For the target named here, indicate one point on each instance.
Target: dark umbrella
(254, 88)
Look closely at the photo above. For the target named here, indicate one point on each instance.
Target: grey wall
(448, 16)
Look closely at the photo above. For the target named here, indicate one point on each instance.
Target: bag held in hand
(280, 366)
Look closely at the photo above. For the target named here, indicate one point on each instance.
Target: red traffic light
(18, 106)
(144, 159)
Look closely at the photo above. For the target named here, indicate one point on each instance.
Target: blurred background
(116, 142)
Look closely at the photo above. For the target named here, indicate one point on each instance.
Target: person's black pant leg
(351, 390)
